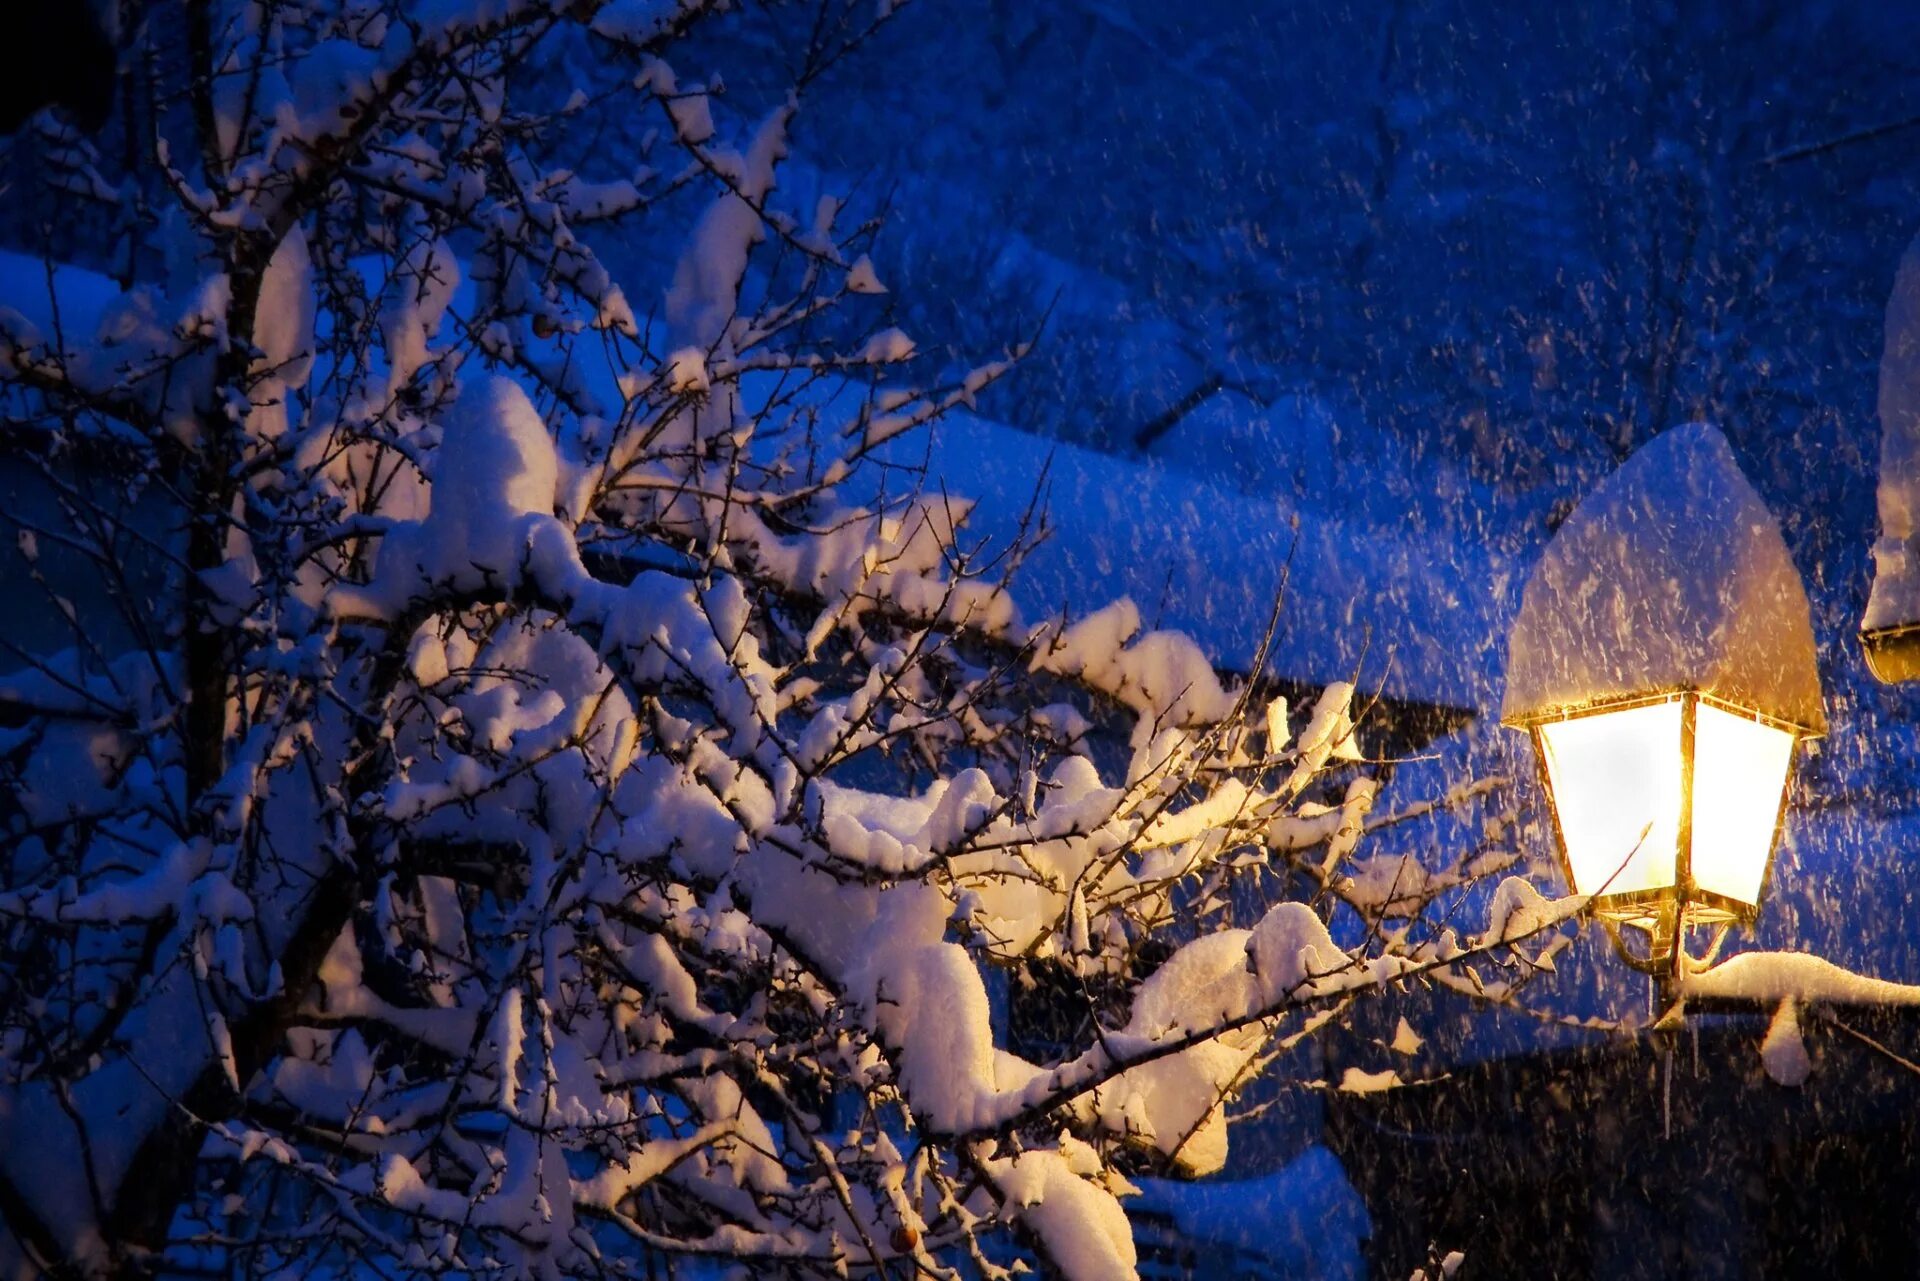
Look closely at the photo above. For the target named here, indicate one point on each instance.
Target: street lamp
(1663, 665)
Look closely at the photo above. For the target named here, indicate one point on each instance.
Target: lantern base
(1893, 653)
(1666, 952)
(1645, 909)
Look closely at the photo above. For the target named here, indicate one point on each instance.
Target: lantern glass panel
(1616, 775)
(1739, 773)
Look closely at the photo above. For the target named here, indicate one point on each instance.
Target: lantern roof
(1671, 575)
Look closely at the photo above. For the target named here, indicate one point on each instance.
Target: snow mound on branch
(634, 20)
(1519, 911)
(282, 333)
(494, 477)
(1360, 1081)
(145, 344)
(1290, 948)
(329, 76)
(862, 279)
(496, 464)
(930, 1001)
(283, 323)
(705, 294)
(1177, 1104)
(1405, 1039)
(1082, 1227)
(1780, 976)
(1671, 575)
(1197, 987)
(927, 999)
(414, 303)
(1163, 674)
(1295, 960)
(496, 459)
(899, 835)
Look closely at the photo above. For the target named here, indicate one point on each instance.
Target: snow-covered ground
(1305, 1220)
(1208, 558)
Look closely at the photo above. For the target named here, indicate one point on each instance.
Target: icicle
(1666, 1092)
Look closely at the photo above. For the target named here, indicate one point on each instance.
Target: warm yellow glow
(1615, 775)
(1739, 770)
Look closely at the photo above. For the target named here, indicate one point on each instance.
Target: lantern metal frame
(1667, 913)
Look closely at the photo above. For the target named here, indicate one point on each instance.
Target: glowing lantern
(1663, 663)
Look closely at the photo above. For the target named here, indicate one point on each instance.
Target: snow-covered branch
(574, 787)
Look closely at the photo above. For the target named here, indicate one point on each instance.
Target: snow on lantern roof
(1671, 575)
